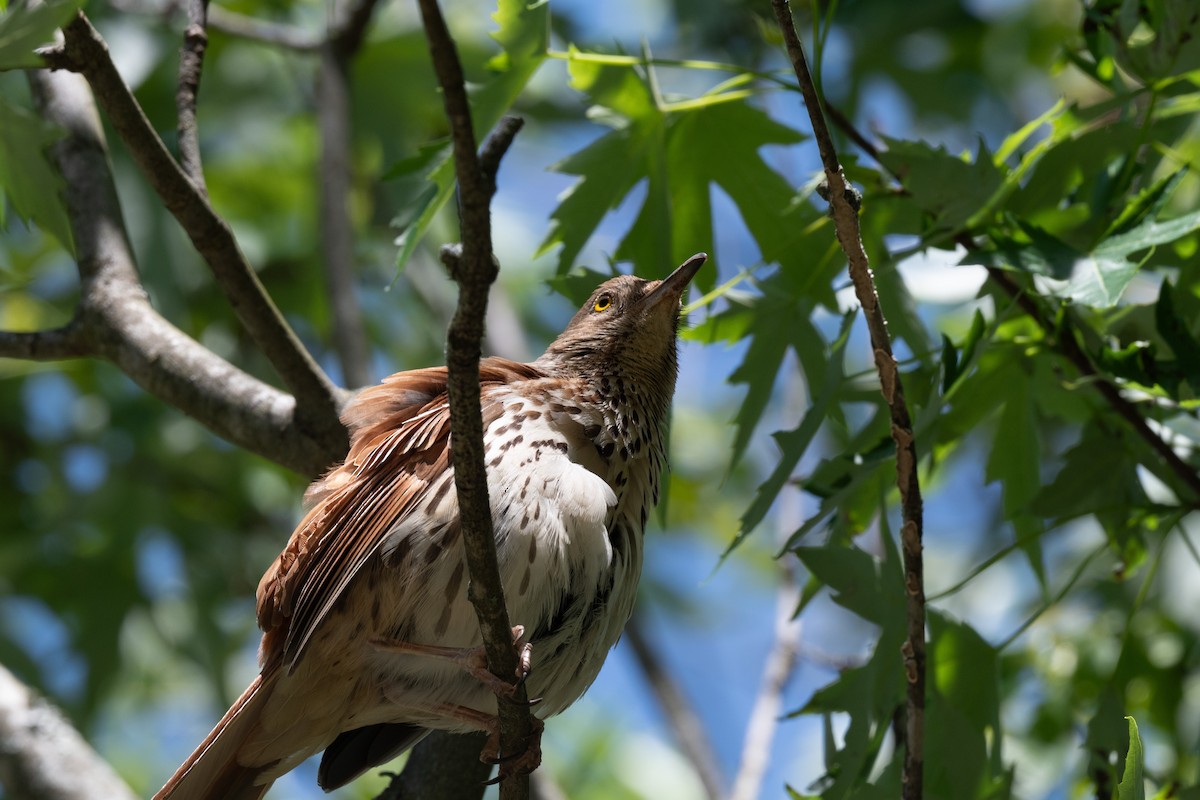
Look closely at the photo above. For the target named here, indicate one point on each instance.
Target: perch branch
(474, 269)
(317, 399)
(43, 757)
(845, 220)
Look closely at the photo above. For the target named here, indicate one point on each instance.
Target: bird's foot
(522, 763)
(471, 659)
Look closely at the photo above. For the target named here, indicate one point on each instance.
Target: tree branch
(191, 63)
(844, 204)
(43, 757)
(474, 269)
(317, 400)
(115, 320)
(337, 232)
(685, 724)
(48, 345)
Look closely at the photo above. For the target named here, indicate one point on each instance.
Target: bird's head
(626, 328)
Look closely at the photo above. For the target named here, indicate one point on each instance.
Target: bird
(369, 640)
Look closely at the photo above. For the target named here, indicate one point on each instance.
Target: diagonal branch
(317, 399)
(43, 757)
(843, 200)
(474, 268)
(115, 320)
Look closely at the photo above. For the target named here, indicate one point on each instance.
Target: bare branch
(48, 345)
(474, 271)
(845, 219)
(318, 400)
(685, 724)
(116, 321)
(191, 63)
(768, 704)
(44, 757)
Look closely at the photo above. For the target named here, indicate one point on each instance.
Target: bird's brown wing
(399, 446)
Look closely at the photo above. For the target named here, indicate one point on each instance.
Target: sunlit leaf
(1132, 786)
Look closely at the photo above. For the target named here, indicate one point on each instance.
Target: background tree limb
(317, 399)
(43, 757)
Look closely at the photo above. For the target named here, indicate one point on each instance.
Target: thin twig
(474, 269)
(682, 718)
(845, 220)
(191, 64)
(317, 400)
(768, 704)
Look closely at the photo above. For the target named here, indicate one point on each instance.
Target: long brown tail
(212, 772)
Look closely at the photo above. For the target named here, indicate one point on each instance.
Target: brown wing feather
(399, 435)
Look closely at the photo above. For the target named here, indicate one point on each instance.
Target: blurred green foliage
(1054, 143)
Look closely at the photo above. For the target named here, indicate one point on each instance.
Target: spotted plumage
(573, 445)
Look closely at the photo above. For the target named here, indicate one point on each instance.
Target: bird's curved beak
(674, 285)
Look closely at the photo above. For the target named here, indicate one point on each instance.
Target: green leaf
(524, 36)
(1175, 333)
(965, 670)
(772, 322)
(1132, 786)
(28, 26)
(1147, 203)
(950, 189)
(793, 443)
(32, 185)
(1095, 279)
(1148, 234)
(1015, 462)
(855, 579)
(679, 153)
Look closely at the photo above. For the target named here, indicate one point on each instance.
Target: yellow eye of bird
(603, 302)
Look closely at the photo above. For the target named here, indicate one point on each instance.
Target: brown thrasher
(367, 627)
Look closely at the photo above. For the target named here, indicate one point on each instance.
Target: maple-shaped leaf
(679, 152)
